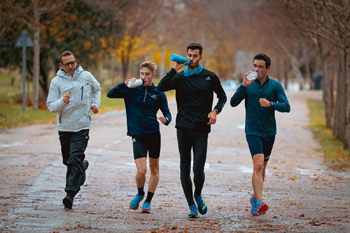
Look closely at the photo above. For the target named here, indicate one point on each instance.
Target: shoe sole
(203, 212)
(137, 206)
(193, 216)
(67, 204)
(146, 211)
(262, 208)
(87, 165)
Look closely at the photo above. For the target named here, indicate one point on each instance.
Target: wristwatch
(272, 103)
(217, 110)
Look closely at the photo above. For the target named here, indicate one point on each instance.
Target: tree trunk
(125, 66)
(295, 65)
(285, 79)
(36, 65)
(308, 74)
(326, 85)
(44, 82)
(339, 112)
(347, 100)
(100, 72)
(278, 71)
(162, 62)
(111, 71)
(298, 74)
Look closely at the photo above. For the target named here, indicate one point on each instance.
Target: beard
(193, 65)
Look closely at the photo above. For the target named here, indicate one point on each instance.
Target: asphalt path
(303, 194)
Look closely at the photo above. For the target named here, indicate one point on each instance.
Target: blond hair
(150, 65)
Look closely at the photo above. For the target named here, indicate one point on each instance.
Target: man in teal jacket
(263, 96)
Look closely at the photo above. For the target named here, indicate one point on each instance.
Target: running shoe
(193, 211)
(85, 166)
(146, 207)
(262, 207)
(254, 208)
(134, 204)
(202, 207)
(68, 202)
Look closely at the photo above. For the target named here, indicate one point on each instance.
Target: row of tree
(301, 37)
(325, 25)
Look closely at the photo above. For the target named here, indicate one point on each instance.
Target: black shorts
(260, 145)
(146, 142)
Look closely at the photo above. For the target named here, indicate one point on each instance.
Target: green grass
(11, 114)
(10, 86)
(332, 147)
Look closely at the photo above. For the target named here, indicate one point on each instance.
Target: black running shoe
(68, 202)
(85, 165)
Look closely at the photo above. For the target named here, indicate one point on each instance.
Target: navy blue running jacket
(142, 104)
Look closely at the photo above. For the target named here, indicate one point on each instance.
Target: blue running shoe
(254, 204)
(146, 207)
(193, 213)
(202, 207)
(134, 204)
(262, 207)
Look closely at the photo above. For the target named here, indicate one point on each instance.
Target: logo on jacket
(208, 78)
(154, 97)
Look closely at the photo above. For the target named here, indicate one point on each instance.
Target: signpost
(24, 41)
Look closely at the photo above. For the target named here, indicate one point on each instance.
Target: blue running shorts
(260, 145)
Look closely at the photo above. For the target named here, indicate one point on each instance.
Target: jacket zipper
(82, 91)
(144, 99)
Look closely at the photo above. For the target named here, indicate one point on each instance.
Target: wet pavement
(302, 193)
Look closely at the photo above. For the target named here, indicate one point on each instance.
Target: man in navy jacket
(263, 96)
(142, 104)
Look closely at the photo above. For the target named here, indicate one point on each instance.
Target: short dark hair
(194, 46)
(264, 57)
(65, 53)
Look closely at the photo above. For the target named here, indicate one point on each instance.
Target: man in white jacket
(73, 94)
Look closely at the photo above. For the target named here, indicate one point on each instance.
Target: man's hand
(246, 81)
(130, 80)
(66, 97)
(178, 66)
(212, 117)
(264, 103)
(162, 119)
(94, 109)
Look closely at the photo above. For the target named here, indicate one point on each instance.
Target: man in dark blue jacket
(142, 104)
(195, 88)
(263, 96)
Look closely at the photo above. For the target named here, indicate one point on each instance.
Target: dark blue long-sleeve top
(260, 121)
(142, 104)
(194, 97)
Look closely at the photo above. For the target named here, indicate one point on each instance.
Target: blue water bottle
(179, 59)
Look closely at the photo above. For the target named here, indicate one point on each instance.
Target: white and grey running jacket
(86, 91)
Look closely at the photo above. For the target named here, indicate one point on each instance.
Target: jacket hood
(63, 74)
